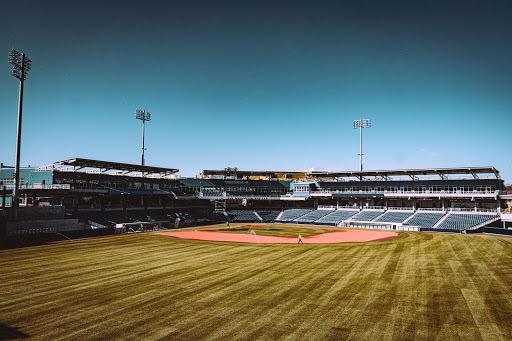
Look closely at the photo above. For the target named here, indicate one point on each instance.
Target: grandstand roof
(413, 173)
(107, 166)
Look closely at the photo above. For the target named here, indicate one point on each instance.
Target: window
(466, 188)
(94, 183)
(450, 189)
(81, 183)
(302, 188)
(58, 181)
(366, 189)
(486, 189)
(406, 188)
(354, 189)
(435, 189)
(392, 189)
(420, 189)
(379, 188)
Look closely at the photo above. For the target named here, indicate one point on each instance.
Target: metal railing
(40, 186)
(410, 192)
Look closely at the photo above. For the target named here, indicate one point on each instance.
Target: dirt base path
(338, 236)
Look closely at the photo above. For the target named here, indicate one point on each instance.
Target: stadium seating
(268, 216)
(366, 215)
(425, 220)
(294, 213)
(312, 216)
(463, 221)
(394, 216)
(243, 215)
(337, 217)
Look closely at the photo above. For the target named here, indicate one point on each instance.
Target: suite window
(450, 189)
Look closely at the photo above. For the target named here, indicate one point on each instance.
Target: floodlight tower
(143, 116)
(20, 66)
(360, 124)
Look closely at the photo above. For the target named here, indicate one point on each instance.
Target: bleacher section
(294, 213)
(337, 217)
(312, 216)
(108, 219)
(461, 221)
(437, 220)
(425, 220)
(243, 215)
(394, 217)
(366, 215)
(268, 216)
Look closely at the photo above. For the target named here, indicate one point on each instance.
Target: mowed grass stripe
(147, 286)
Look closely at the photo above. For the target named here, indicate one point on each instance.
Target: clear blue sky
(262, 85)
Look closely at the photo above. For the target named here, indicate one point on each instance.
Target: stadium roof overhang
(412, 173)
(96, 166)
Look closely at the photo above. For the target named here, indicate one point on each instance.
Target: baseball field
(150, 286)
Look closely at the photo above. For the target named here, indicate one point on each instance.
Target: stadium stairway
(336, 217)
(257, 215)
(294, 213)
(367, 215)
(313, 216)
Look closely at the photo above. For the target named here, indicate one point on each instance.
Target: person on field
(300, 240)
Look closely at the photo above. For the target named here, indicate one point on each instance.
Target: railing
(326, 206)
(430, 209)
(401, 208)
(39, 186)
(467, 209)
(374, 207)
(410, 192)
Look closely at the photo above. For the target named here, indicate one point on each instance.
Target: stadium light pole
(143, 116)
(20, 66)
(360, 124)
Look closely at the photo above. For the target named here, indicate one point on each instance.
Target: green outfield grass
(421, 286)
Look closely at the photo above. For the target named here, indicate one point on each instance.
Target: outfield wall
(42, 226)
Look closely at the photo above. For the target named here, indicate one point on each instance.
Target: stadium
(121, 251)
(99, 242)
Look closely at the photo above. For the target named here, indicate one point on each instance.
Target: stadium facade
(90, 190)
